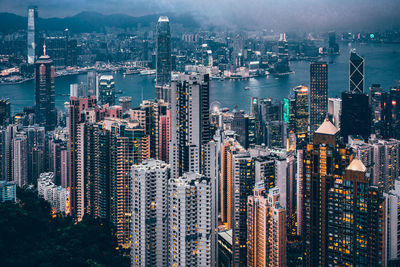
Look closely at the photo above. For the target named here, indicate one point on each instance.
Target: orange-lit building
(323, 161)
(266, 228)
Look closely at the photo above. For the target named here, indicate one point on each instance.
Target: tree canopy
(31, 236)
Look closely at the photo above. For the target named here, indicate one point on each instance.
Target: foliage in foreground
(30, 236)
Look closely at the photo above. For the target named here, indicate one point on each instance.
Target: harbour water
(382, 65)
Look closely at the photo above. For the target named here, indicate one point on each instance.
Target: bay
(382, 65)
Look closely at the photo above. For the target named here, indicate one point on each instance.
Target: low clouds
(271, 14)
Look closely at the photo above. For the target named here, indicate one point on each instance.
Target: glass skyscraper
(163, 64)
(356, 72)
(318, 93)
(32, 33)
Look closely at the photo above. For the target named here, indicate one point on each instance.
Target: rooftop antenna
(44, 49)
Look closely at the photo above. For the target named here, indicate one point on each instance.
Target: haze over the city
(270, 14)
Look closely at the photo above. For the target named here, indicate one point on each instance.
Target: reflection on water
(382, 66)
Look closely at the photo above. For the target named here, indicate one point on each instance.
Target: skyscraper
(355, 233)
(32, 34)
(190, 124)
(106, 94)
(376, 103)
(324, 160)
(299, 121)
(392, 234)
(318, 93)
(76, 107)
(355, 117)
(45, 108)
(5, 112)
(192, 220)
(163, 47)
(356, 73)
(243, 179)
(164, 136)
(150, 214)
(266, 228)
(20, 159)
(228, 148)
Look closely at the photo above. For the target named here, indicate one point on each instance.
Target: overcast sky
(284, 14)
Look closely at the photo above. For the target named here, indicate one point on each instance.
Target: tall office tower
(191, 220)
(5, 112)
(164, 136)
(333, 46)
(299, 121)
(275, 134)
(92, 83)
(356, 73)
(56, 48)
(282, 66)
(323, 161)
(10, 133)
(392, 113)
(163, 47)
(37, 162)
(392, 201)
(355, 117)
(106, 92)
(190, 123)
(20, 159)
(78, 90)
(299, 191)
(126, 103)
(32, 34)
(386, 160)
(45, 107)
(318, 94)
(334, 111)
(375, 100)
(129, 146)
(93, 170)
(243, 180)
(240, 124)
(364, 152)
(255, 108)
(266, 228)
(355, 233)
(56, 149)
(229, 147)
(76, 108)
(163, 93)
(150, 213)
(148, 115)
(3, 154)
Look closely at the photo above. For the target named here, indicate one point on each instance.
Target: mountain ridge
(89, 21)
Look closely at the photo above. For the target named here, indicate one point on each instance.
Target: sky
(284, 14)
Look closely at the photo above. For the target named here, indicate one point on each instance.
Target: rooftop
(163, 19)
(327, 128)
(356, 165)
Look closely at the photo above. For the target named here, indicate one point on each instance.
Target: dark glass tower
(45, 109)
(356, 73)
(318, 93)
(32, 34)
(5, 112)
(163, 46)
(355, 118)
